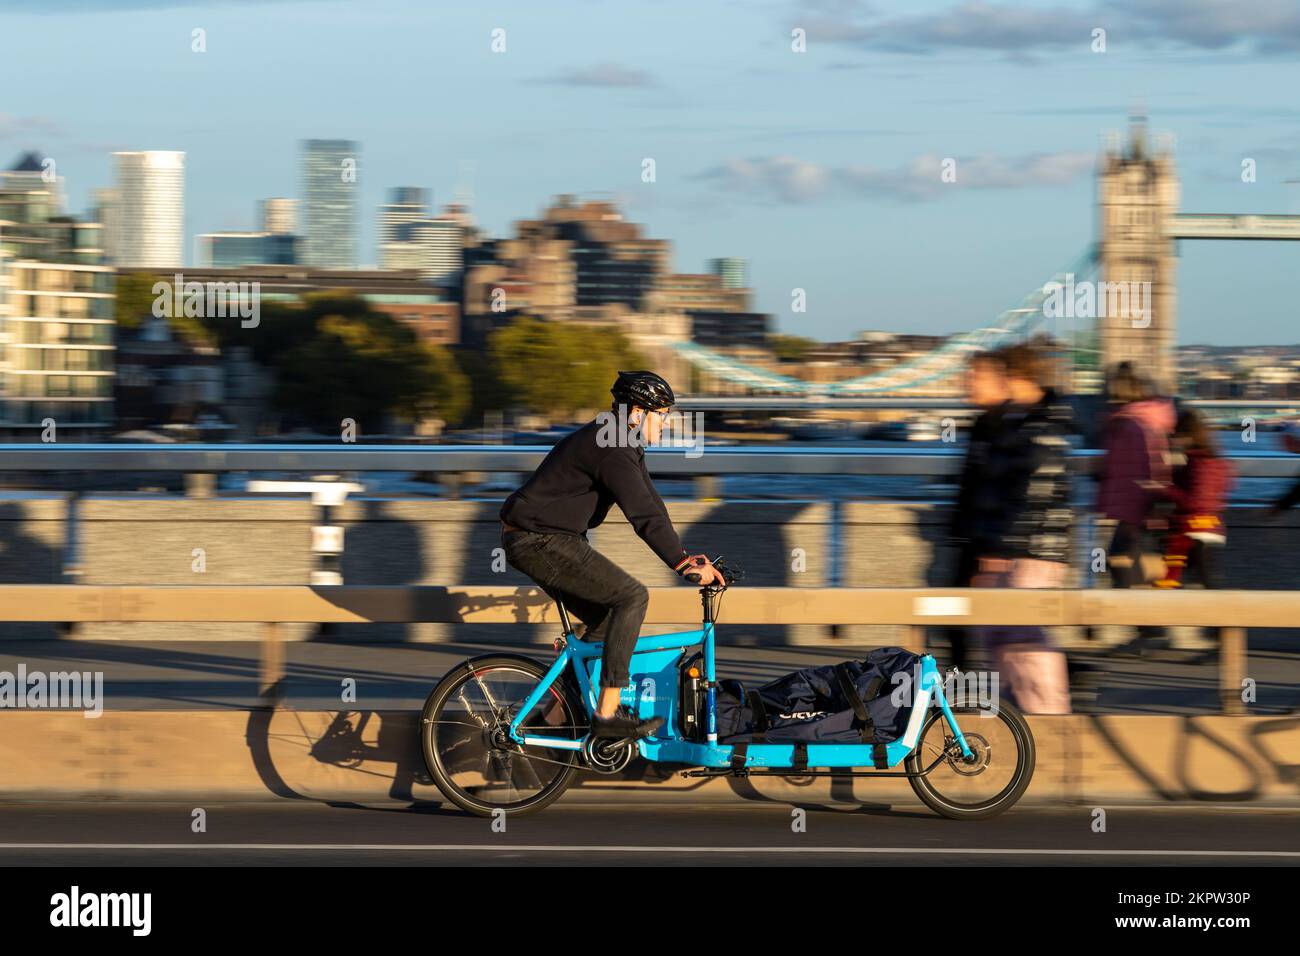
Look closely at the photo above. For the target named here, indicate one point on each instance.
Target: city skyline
(776, 176)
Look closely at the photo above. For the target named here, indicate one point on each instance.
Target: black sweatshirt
(577, 483)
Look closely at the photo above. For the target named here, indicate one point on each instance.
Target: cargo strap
(879, 760)
(800, 758)
(761, 722)
(738, 754)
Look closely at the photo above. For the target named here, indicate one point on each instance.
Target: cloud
(1271, 26)
(26, 127)
(782, 177)
(22, 133)
(603, 75)
(790, 180)
(111, 6)
(1266, 26)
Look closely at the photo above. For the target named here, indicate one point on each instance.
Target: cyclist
(544, 533)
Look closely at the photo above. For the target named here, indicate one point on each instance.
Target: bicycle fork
(939, 688)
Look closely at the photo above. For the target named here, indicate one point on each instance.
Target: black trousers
(1127, 542)
(966, 568)
(1203, 565)
(597, 591)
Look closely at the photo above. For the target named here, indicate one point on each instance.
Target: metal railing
(452, 459)
(1231, 611)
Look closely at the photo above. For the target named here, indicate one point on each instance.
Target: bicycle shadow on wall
(382, 745)
(377, 744)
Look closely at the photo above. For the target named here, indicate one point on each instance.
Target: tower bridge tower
(1137, 198)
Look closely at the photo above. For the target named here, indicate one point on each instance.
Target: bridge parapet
(916, 608)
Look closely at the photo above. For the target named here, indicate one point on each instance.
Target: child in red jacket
(1199, 492)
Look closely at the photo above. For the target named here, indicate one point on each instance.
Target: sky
(820, 167)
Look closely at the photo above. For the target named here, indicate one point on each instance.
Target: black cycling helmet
(643, 389)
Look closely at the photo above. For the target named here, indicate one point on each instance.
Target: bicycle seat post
(564, 618)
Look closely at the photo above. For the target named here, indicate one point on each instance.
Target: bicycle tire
(1006, 798)
(431, 719)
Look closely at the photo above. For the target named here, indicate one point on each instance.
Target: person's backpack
(850, 702)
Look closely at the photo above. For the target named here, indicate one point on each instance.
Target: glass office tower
(329, 203)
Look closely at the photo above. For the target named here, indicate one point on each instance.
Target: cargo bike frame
(506, 732)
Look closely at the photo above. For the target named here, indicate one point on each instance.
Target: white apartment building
(148, 229)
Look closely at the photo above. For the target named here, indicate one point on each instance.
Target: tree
(556, 368)
(445, 388)
(790, 348)
(134, 299)
(336, 359)
(137, 301)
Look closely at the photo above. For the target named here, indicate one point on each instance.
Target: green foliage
(284, 325)
(446, 388)
(790, 348)
(487, 394)
(135, 302)
(135, 298)
(335, 358)
(556, 368)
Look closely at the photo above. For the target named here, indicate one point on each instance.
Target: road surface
(637, 832)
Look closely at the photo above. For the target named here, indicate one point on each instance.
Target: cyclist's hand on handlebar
(702, 572)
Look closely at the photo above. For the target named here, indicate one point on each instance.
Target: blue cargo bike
(507, 732)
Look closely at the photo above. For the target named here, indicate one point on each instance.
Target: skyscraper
(441, 243)
(329, 171)
(279, 217)
(149, 227)
(733, 271)
(398, 218)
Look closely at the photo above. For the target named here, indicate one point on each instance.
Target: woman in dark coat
(1136, 464)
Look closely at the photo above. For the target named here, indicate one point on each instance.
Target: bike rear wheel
(463, 732)
(992, 781)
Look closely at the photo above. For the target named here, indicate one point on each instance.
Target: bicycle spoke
(470, 735)
(971, 783)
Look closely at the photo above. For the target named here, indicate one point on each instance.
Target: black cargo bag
(850, 702)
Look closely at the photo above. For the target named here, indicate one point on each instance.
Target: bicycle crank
(608, 756)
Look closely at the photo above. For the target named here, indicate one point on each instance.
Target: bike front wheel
(467, 748)
(988, 783)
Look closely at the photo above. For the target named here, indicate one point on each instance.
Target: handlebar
(730, 574)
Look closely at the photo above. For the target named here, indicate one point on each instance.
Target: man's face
(986, 384)
(653, 424)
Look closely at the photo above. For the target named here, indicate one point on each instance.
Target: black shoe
(624, 725)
